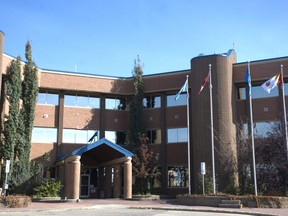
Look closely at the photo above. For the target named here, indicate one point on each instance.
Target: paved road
(119, 211)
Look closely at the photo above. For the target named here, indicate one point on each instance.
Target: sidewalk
(157, 204)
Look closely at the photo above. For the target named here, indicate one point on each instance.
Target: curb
(205, 210)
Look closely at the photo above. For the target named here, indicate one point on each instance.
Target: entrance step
(230, 204)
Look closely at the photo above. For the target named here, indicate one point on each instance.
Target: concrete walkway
(157, 204)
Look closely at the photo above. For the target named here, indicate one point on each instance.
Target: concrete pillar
(108, 182)
(72, 177)
(67, 182)
(117, 181)
(128, 179)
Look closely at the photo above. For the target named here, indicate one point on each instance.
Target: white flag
(271, 83)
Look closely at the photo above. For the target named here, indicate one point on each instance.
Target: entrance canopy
(103, 156)
(100, 152)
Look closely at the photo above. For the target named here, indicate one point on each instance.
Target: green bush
(208, 183)
(48, 188)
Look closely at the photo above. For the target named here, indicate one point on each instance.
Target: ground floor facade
(101, 170)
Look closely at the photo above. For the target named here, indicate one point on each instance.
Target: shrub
(208, 183)
(17, 201)
(48, 188)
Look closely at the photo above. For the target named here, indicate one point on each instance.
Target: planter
(47, 199)
(145, 197)
(247, 201)
(199, 200)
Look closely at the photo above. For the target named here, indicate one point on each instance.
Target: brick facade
(227, 76)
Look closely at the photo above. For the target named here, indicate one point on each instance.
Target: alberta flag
(271, 83)
(183, 89)
(248, 81)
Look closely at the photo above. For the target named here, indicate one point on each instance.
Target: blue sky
(105, 36)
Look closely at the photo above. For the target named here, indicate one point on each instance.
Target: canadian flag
(206, 80)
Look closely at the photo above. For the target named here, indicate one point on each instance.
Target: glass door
(84, 186)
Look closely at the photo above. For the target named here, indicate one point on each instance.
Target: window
(48, 98)
(117, 137)
(116, 103)
(82, 101)
(182, 100)
(44, 135)
(48, 173)
(259, 92)
(77, 136)
(152, 102)
(241, 93)
(178, 176)
(285, 89)
(176, 135)
(261, 129)
(154, 136)
(155, 181)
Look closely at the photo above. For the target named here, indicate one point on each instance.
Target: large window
(154, 136)
(178, 176)
(82, 101)
(48, 98)
(257, 92)
(175, 135)
(118, 137)
(78, 136)
(116, 103)
(182, 100)
(44, 135)
(261, 129)
(152, 102)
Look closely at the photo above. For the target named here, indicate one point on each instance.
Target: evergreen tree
(144, 161)
(29, 98)
(136, 125)
(10, 132)
(17, 132)
(26, 118)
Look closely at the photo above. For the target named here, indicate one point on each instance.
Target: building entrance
(95, 171)
(89, 183)
(85, 186)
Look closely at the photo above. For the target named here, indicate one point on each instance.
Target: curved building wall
(223, 115)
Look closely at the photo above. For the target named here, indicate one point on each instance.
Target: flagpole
(252, 134)
(284, 109)
(212, 131)
(188, 133)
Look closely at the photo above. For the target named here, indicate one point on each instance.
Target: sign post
(7, 170)
(203, 172)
